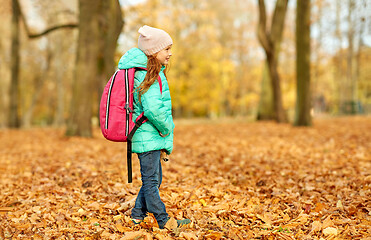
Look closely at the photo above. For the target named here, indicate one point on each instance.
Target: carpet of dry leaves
(233, 180)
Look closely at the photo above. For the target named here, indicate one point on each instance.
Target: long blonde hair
(153, 70)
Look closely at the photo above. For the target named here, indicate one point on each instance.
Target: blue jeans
(148, 199)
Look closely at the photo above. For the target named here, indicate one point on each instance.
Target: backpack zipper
(108, 99)
(127, 101)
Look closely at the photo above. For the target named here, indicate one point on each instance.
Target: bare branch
(263, 36)
(278, 20)
(71, 25)
(45, 32)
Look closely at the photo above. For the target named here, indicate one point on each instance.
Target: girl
(155, 135)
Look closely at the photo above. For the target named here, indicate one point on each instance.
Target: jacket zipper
(109, 98)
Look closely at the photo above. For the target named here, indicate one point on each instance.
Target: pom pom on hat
(152, 40)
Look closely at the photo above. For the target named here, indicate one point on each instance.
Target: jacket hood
(133, 58)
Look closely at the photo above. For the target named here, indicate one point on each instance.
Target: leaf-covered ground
(234, 181)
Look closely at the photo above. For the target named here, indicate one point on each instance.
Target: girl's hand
(164, 156)
(162, 135)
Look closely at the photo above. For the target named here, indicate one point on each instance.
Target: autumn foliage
(233, 180)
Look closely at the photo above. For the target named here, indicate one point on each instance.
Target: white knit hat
(152, 40)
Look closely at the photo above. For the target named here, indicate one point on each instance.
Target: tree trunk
(339, 73)
(110, 27)
(38, 85)
(95, 52)
(266, 109)
(3, 94)
(350, 97)
(14, 119)
(276, 87)
(317, 93)
(59, 113)
(86, 72)
(358, 58)
(27, 116)
(270, 40)
(303, 96)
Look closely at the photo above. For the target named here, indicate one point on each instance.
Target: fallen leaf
(94, 206)
(136, 235)
(171, 224)
(339, 205)
(81, 211)
(203, 202)
(112, 206)
(327, 223)
(214, 235)
(316, 226)
(330, 231)
(119, 227)
(6, 209)
(188, 236)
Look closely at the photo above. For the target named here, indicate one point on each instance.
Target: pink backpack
(116, 110)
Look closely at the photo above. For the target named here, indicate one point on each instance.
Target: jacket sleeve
(155, 110)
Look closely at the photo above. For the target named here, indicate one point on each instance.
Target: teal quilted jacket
(156, 107)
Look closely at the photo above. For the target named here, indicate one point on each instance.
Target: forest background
(218, 65)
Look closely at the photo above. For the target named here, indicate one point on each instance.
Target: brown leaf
(307, 208)
(339, 205)
(171, 224)
(6, 209)
(133, 235)
(327, 223)
(121, 228)
(188, 236)
(316, 226)
(214, 235)
(94, 206)
(112, 206)
(24, 226)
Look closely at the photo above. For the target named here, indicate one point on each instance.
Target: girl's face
(164, 55)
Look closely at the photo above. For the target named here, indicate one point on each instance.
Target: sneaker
(183, 222)
(137, 221)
